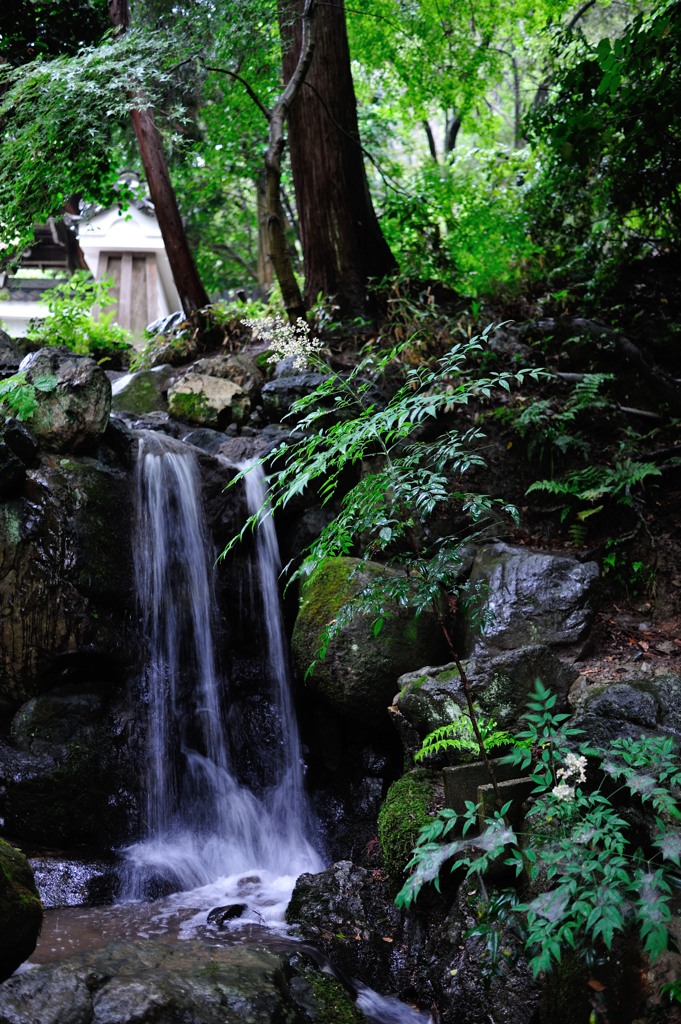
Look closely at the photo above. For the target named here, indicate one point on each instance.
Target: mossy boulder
(74, 414)
(139, 393)
(407, 807)
(208, 401)
(358, 676)
(21, 911)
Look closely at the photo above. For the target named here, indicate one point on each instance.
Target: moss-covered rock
(323, 999)
(358, 676)
(21, 912)
(407, 807)
(73, 415)
(142, 392)
(208, 401)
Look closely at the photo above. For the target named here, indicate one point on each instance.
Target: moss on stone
(407, 807)
(359, 673)
(326, 999)
(190, 406)
(21, 911)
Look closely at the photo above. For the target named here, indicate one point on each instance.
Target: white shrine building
(124, 246)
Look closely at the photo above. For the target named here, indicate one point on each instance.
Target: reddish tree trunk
(343, 246)
(192, 294)
(185, 275)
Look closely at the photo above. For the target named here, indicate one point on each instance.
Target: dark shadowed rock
(532, 597)
(22, 442)
(502, 682)
(21, 912)
(65, 571)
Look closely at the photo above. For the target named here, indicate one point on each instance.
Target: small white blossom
(287, 341)
(574, 768)
(563, 792)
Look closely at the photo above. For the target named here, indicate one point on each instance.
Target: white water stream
(206, 833)
(209, 840)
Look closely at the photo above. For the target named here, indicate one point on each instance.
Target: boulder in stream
(147, 982)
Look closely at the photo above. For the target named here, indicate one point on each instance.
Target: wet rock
(533, 598)
(142, 392)
(21, 912)
(208, 401)
(22, 442)
(437, 959)
(47, 723)
(218, 915)
(279, 395)
(148, 982)
(10, 355)
(12, 472)
(65, 571)
(502, 682)
(357, 676)
(206, 439)
(74, 415)
(348, 912)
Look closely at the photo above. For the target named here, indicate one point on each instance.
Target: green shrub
(596, 878)
(70, 322)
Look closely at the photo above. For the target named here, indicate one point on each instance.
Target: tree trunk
(192, 294)
(343, 247)
(265, 270)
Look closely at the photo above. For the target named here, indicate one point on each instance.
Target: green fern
(596, 482)
(459, 736)
(18, 395)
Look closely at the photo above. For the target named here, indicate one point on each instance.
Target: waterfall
(204, 826)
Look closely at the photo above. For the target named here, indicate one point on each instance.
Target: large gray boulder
(532, 597)
(636, 703)
(137, 394)
(238, 368)
(74, 415)
(208, 401)
(357, 676)
(189, 982)
(279, 395)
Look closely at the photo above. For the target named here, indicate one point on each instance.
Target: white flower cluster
(6, 242)
(287, 341)
(572, 772)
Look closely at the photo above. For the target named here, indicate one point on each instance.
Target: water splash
(204, 828)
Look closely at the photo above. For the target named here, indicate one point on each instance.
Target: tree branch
(242, 81)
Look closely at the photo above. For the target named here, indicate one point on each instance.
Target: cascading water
(210, 838)
(204, 827)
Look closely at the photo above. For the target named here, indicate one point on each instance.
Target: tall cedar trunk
(192, 294)
(342, 242)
